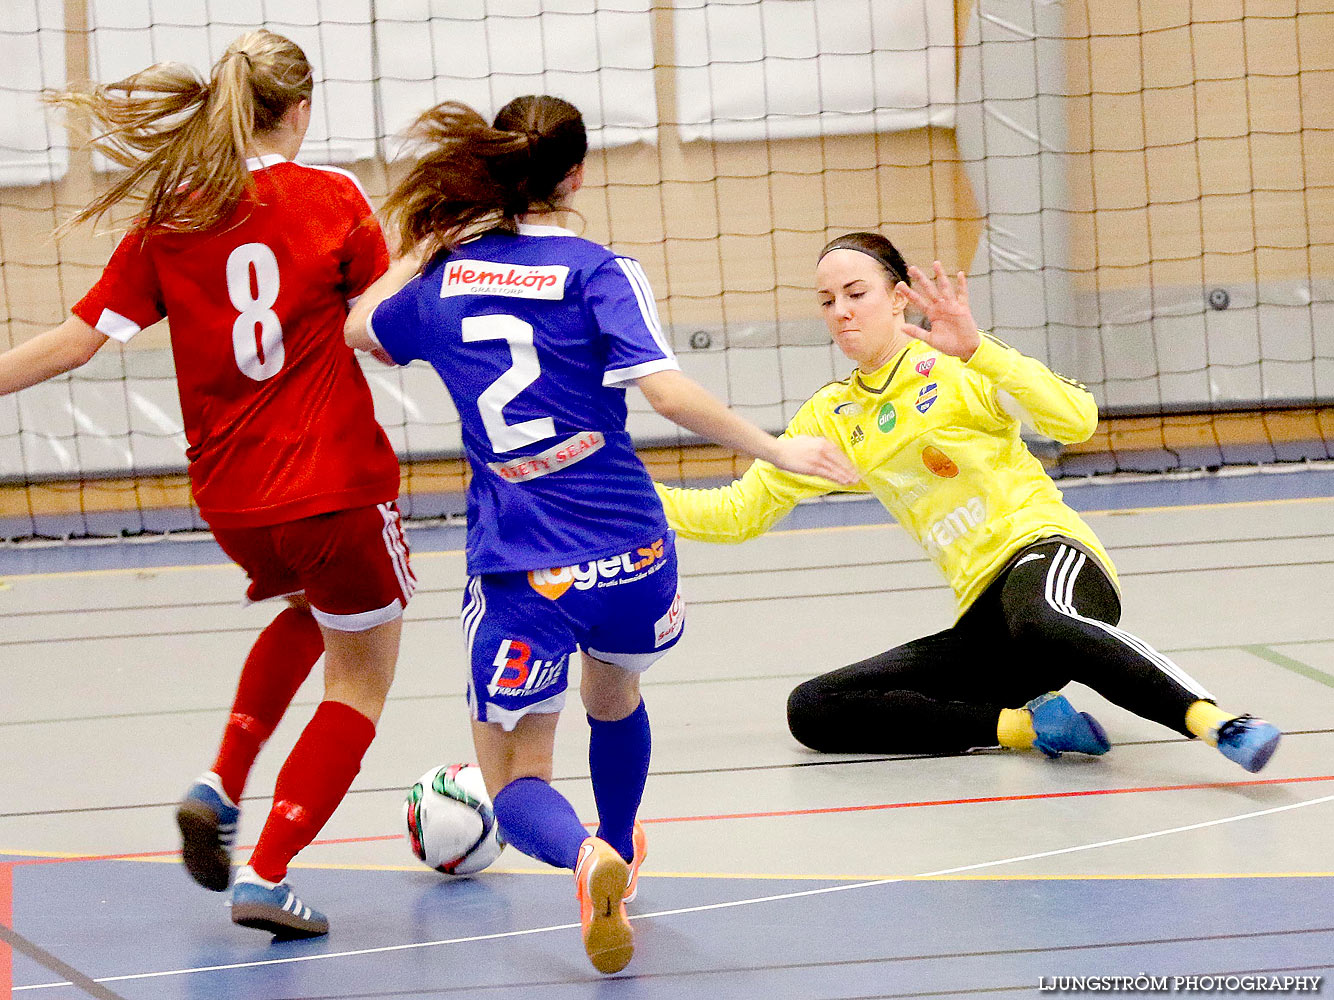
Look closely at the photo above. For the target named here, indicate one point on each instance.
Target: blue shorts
(521, 628)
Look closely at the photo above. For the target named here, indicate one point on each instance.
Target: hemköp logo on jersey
(515, 281)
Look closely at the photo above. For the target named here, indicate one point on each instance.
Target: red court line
(991, 798)
(6, 918)
(825, 811)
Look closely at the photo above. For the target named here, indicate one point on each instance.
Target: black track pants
(1048, 619)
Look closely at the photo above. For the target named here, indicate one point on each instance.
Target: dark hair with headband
(876, 246)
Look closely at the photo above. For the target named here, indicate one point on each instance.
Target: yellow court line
(438, 553)
(166, 857)
(65, 574)
(41, 854)
(173, 858)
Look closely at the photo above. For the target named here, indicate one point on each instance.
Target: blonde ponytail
(184, 141)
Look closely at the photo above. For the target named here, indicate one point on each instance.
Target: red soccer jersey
(278, 416)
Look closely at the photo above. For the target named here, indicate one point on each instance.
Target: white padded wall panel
(597, 54)
(129, 35)
(33, 147)
(757, 69)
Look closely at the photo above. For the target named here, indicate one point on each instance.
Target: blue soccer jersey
(537, 336)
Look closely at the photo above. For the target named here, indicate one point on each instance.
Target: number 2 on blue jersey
(523, 372)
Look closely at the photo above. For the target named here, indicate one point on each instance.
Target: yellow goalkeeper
(931, 419)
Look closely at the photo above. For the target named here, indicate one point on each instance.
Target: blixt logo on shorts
(609, 572)
(516, 676)
(479, 277)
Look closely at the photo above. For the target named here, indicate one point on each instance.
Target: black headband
(852, 243)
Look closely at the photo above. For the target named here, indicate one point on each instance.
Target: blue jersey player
(537, 334)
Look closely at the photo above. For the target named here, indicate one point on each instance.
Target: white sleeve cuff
(116, 326)
(370, 332)
(618, 377)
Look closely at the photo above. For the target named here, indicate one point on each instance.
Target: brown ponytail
(184, 141)
(474, 176)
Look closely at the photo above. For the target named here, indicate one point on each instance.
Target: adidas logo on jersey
(516, 281)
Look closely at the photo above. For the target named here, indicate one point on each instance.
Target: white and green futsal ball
(449, 820)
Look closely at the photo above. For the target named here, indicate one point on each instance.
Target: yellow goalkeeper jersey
(936, 440)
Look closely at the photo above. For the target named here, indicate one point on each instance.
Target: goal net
(1142, 195)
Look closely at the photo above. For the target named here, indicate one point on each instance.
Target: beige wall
(1207, 137)
(725, 232)
(1204, 138)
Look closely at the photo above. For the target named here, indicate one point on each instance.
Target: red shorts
(352, 565)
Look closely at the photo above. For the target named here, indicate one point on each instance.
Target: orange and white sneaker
(600, 880)
(641, 852)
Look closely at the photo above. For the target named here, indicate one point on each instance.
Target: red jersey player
(254, 259)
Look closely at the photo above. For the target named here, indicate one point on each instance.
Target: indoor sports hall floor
(772, 873)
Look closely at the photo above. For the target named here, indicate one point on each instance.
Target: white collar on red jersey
(526, 229)
(254, 163)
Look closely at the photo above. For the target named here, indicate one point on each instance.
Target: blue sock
(540, 822)
(618, 756)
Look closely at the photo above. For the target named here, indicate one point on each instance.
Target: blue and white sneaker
(273, 907)
(1060, 729)
(1249, 741)
(207, 818)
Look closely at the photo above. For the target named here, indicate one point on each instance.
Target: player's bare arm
(356, 331)
(55, 352)
(683, 401)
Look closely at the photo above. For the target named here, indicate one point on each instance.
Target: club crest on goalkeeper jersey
(536, 335)
(279, 421)
(937, 442)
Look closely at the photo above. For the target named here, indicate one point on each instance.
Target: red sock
(314, 780)
(278, 663)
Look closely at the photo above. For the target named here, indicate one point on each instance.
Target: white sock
(247, 874)
(211, 779)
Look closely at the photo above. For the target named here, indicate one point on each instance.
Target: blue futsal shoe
(1060, 729)
(207, 819)
(1249, 741)
(274, 908)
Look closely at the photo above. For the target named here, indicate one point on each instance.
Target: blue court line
(1083, 495)
(1173, 491)
(491, 914)
(1088, 495)
(196, 549)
